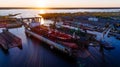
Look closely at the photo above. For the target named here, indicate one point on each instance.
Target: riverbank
(97, 21)
(95, 18)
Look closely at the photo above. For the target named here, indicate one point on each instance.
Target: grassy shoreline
(92, 14)
(103, 17)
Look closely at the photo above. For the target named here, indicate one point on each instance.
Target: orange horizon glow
(42, 4)
(59, 3)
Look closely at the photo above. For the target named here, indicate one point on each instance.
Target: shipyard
(79, 39)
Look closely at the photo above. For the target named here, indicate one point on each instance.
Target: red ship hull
(55, 36)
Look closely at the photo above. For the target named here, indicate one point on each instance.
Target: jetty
(9, 40)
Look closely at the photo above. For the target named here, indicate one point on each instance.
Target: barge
(8, 40)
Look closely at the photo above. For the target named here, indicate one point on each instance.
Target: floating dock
(8, 40)
(47, 41)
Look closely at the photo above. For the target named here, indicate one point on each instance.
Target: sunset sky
(59, 3)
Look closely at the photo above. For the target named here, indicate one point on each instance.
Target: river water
(34, 54)
(34, 12)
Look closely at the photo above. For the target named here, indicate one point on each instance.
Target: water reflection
(42, 11)
(42, 21)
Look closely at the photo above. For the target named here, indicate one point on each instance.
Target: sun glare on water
(42, 21)
(42, 11)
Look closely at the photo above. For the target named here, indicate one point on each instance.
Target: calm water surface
(31, 55)
(34, 12)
